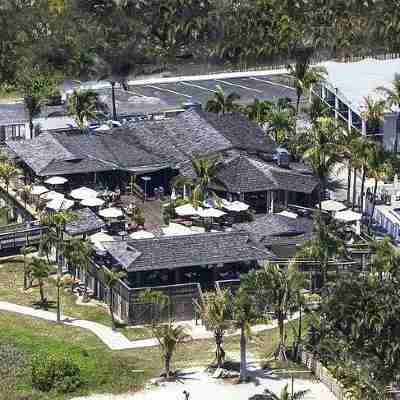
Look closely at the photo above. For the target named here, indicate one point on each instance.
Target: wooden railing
(18, 238)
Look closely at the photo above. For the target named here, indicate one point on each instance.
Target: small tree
(214, 309)
(222, 103)
(83, 105)
(40, 271)
(60, 282)
(244, 315)
(111, 278)
(286, 395)
(27, 268)
(7, 171)
(169, 336)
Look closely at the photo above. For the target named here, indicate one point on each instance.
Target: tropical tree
(281, 121)
(83, 104)
(304, 76)
(258, 111)
(27, 268)
(60, 282)
(286, 395)
(214, 309)
(244, 314)
(317, 109)
(7, 171)
(325, 247)
(204, 168)
(36, 86)
(278, 288)
(40, 271)
(322, 144)
(222, 103)
(392, 98)
(111, 279)
(169, 336)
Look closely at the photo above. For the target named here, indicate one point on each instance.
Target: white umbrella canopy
(176, 230)
(37, 190)
(83, 193)
(111, 212)
(92, 202)
(142, 234)
(56, 180)
(59, 204)
(187, 210)
(210, 213)
(52, 195)
(348, 216)
(236, 206)
(288, 214)
(100, 237)
(332, 205)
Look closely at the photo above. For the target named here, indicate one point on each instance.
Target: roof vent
(282, 157)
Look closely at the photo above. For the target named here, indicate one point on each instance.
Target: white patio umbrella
(142, 234)
(92, 202)
(83, 193)
(187, 210)
(59, 204)
(37, 190)
(236, 206)
(52, 195)
(100, 237)
(111, 212)
(288, 214)
(56, 180)
(210, 213)
(332, 205)
(176, 230)
(348, 216)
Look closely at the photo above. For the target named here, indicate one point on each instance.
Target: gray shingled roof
(170, 252)
(85, 221)
(274, 228)
(243, 173)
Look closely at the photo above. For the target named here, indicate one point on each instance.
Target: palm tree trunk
(41, 291)
(110, 307)
(114, 108)
(298, 103)
(348, 182)
(31, 126)
(167, 366)
(243, 363)
(354, 188)
(373, 202)
(219, 351)
(58, 303)
(281, 351)
(364, 176)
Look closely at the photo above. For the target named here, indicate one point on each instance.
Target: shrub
(55, 372)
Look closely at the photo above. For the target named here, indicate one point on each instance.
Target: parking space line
(168, 90)
(197, 86)
(270, 83)
(239, 86)
(130, 92)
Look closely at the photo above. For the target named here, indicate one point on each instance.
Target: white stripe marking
(168, 90)
(197, 86)
(240, 86)
(271, 83)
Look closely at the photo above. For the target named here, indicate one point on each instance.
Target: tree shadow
(267, 395)
(45, 305)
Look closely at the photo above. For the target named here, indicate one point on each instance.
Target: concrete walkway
(115, 340)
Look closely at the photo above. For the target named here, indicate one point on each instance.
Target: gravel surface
(203, 387)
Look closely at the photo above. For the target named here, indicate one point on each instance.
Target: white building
(346, 87)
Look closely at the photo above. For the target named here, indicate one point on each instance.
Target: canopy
(176, 230)
(92, 202)
(210, 213)
(141, 235)
(348, 216)
(101, 237)
(59, 204)
(187, 210)
(111, 213)
(236, 206)
(332, 205)
(83, 193)
(56, 180)
(288, 214)
(37, 190)
(52, 195)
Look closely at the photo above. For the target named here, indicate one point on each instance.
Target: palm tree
(27, 268)
(244, 315)
(323, 142)
(111, 278)
(40, 271)
(83, 104)
(285, 395)
(169, 336)
(7, 171)
(304, 75)
(214, 310)
(392, 99)
(60, 282)
(258, 111)
(324, 247)
(278, 288)
(317, 109)
(222, 103)
(281, 121)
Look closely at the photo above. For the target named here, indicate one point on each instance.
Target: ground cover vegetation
(112, 39)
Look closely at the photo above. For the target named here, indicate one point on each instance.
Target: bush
(55, 372)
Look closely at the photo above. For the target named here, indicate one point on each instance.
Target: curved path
(115, 340)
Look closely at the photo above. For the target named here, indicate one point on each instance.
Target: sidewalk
(115, 340)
